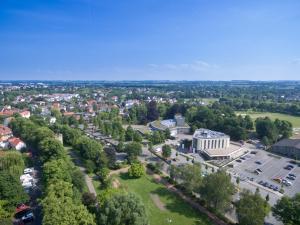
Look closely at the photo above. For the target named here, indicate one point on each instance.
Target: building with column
(204, 139)
(215, 145)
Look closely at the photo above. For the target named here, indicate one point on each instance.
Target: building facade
(204, 139)
(287, 147)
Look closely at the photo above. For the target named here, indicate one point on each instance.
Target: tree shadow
(125, 176)
(175, 204)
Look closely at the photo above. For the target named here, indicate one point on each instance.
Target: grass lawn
(295, 120)
(209, 100)
(168, 209)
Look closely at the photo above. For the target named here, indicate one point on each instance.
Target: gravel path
(87, 178)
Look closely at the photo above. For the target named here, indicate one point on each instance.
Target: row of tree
(11, 191)
(216, 191)
(63, 182)
(115, 207)
(269, 132)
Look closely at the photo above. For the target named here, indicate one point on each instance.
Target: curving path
(87, 178)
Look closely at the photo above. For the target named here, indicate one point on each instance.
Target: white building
(207, 139)
(215, 145)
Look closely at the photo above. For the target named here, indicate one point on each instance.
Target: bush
(136, 170)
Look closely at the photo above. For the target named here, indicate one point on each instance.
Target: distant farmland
(295, 120)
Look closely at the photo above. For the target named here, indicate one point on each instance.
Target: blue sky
(150, 39)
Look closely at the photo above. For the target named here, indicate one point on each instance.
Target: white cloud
(296, 61)
(197, 65)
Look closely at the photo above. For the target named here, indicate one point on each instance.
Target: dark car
(238, 160)
(258, 162)
(288, 168)
(25, 215)
(292, 175)
(290, 178)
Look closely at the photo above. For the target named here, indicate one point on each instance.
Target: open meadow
(162, 206)
(295, 120)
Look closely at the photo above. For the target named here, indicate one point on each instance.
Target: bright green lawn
(295, 120)
(177, 210)
(209, 100)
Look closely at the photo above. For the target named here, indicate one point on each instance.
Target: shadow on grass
(125, 176)
(175, 204)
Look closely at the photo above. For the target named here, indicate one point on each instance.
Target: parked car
(292, 175)
(238, 160)
(28, 171)
(278, 180)
(290, 178)
(25, 215)
(258, 162)
(276, 188)
(286, 182)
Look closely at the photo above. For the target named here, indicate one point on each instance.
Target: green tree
(287, 210)
(11, 189)
(123, 209)
(136, 170)
(129, 134)
(251, 209)
(12, 162)
(284, 127)
(59, 207)
(78, 179)
(50, 148)
(266, 128)
(152, 111)
(137, 137)
(217, 190)
(4, 210)
(57, 170)
(190, 176)
(133, 150)
(166, 151)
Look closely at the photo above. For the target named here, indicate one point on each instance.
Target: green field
(173, 210)
(209, 100)
(293, 119)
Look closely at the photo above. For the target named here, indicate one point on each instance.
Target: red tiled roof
(14, 141)
(69, 113)
(4, 130)
(24, 113)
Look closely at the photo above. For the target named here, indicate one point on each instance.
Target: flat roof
(208, 134)
(223, 152)
(295, 143)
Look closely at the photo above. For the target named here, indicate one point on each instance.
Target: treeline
(11, 191)
(270, 131)
(215, 191)
(240, 104)
(90, 151)
(63, 182)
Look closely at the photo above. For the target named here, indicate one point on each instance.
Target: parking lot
(268, 167)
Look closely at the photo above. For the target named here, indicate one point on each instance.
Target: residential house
(16, 143)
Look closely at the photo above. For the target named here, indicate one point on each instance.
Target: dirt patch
(122, 170)
(159, 204)
(116, 183)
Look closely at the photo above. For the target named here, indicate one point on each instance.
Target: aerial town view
(149, 112)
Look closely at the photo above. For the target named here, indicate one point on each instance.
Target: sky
(149, 40)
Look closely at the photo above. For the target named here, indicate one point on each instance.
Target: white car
(28, 170)
(287, 183)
